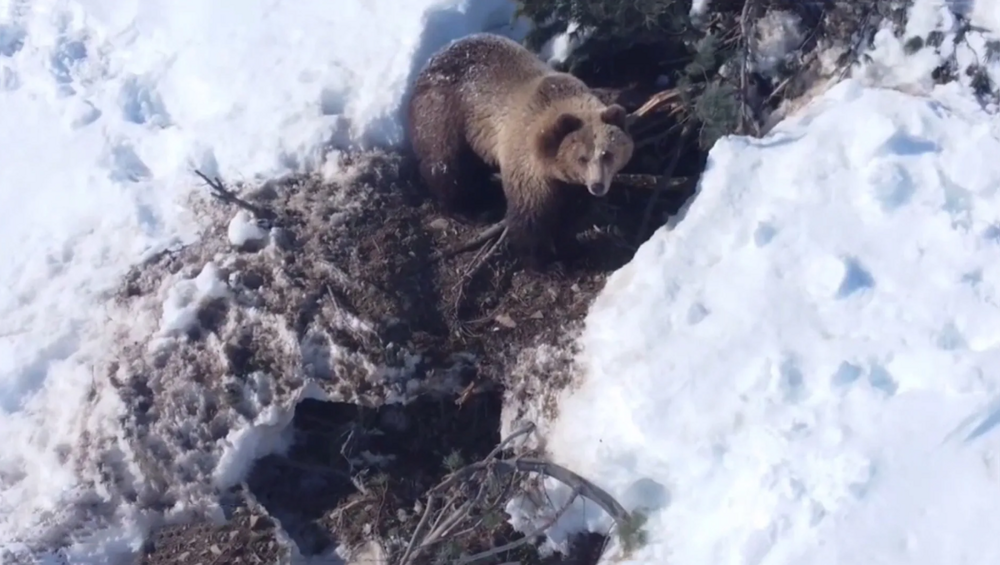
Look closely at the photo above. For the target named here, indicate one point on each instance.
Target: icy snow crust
(804, 369)
(106, 107)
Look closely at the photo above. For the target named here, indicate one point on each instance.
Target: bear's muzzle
(598, 188)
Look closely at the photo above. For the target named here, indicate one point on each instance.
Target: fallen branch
(664, 180)
(222, 193)
(655, 101)
(656, 137)
(489, 233)
(642, 181)
(499, 232)
(746, 31)
(475, 478)
(546, 468)
(526, 538)
(657, 182)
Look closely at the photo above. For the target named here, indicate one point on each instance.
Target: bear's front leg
(567, 246)
(530, 239)
(566, 208)
(534, 223)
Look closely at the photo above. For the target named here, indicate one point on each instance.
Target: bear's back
(485, 65)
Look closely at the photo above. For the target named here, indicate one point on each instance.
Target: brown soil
(250, 536)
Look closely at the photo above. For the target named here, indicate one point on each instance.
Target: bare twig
(484, 236)
(503, 495)
(586, 488)
(525, 430)
(225, 195)
(527, 537)
(408, 554)
(656, 137)
(448, 510)
(654, 102)
(447, 524)
(656, 182)
(746, 30)
(665, 179)
(477, 263)
(450, 522)
(548, 469)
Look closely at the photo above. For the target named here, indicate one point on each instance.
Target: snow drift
(808, 371)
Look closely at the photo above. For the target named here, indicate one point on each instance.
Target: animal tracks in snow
(124, 164)
(91, 91)
(63, 62)
(12, 27)
(873, 373)
(11, 39)
(855, 278)
(140, 103)
(12, 36)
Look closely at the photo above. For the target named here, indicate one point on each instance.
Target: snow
(892, 67)
(982, 13)
(107, 107)
(558, 49)
(779, 33)
(180, 307)
(801, 368)
(699, 7)
(243, 230)
(799, 371)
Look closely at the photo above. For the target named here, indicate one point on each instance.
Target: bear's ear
(552, 136)
(615, 115)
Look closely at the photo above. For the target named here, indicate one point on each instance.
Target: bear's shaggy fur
(486, 102)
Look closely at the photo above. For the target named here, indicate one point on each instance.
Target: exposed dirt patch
(249, 536)
(333, 297)
(355, 473)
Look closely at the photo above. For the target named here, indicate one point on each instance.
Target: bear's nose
(597, 189)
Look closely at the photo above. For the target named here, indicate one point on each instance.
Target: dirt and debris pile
(310, 320)
(249, 536)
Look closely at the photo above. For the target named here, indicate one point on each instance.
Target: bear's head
(587, 147)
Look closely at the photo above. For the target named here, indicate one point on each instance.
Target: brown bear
(486, 102)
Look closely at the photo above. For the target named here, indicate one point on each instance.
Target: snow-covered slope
(105, 108)
(806, 368)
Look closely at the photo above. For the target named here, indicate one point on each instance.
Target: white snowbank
(803, 369)
(106, 107)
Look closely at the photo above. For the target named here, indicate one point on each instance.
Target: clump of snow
(778, 33)
(244, 231)
(559, 48)
(801, 370)
(698, 8)
(186, 297)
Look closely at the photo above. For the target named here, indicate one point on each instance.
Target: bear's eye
(583, 159)
(605, 155)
